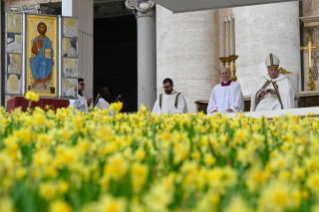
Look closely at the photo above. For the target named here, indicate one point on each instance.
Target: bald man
(226, 97)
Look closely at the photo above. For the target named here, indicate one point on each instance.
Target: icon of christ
(41, 64)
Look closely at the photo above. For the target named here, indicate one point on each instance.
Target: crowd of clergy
(273, 92)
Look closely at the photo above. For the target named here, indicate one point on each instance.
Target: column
(265, 29)
(83, 9)
(146, 39)
(188, 52)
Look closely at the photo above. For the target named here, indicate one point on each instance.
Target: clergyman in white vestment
(226, 97)
(100, 101)
(171, 102)
(274, 91)
(82, 103)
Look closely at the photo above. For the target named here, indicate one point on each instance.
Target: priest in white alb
(274, 91)
(81, 103)
(226, 97)
(171, 102)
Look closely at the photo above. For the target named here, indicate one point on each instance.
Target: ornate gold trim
(274, 66)
(284, 71)
(272, 62)
(257, 100)
(278, 95)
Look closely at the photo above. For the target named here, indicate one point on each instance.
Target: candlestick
(233, 58)
(223, 60)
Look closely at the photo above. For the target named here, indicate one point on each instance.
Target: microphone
(118, 98)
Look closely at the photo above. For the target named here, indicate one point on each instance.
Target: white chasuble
(172, 103)
(80, 104)
(101, 104)
(283, 99)
(226, 96)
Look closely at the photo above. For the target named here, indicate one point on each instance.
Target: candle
(227, 37)
(233, 36)
(224, 38)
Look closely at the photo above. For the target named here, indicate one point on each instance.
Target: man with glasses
(82, 103)
(171, 102)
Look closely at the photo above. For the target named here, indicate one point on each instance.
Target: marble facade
(186, 47)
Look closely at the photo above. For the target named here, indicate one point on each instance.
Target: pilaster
(83, 9)
(310, 19)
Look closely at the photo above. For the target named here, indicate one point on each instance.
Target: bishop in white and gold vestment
(274, 91)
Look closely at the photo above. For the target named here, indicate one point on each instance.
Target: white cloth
(287, 94)
(101, 104)
(270, 102)
(80, 104)
(168, 104)
(225, 97)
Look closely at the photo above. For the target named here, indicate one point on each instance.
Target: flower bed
(63, 162)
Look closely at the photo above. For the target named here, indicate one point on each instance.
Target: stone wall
(188, 52)
(265, 29)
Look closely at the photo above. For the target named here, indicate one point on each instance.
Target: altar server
(82, 103)
(226, 97)
(101, 99)
(274, 91)
(171, 102)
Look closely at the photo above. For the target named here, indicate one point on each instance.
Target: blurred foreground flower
(32, 96)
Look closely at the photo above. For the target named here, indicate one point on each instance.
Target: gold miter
(272, 61)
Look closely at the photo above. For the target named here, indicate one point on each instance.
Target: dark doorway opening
(115, 59)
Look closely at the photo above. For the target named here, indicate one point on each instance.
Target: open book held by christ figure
(41, 64)
(274, 91)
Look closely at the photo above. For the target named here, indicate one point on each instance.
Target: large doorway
(115, 58)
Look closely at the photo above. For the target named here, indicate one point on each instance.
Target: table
(20, 101)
